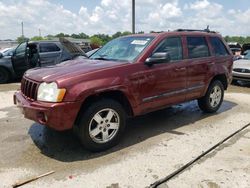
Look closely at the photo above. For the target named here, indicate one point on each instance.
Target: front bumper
(59, 116)
(241, 76)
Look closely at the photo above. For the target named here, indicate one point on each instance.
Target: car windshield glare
(123, 49)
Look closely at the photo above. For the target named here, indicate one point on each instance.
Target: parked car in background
(245, 47)
(39, 53)
(90, 53)
(241, 69)
(234, 45)
(129, 76)
(7, 52)
(246, 52)
(236, 48)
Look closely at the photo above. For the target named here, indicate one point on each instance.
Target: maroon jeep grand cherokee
(129, 76)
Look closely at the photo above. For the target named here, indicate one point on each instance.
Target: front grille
(29, 88)
(242, 70)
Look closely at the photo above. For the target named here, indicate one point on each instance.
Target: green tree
(96, 41)
(62, 35)
(80, 36)
(22, 39)
(120, 34)
(103, 37)
(37, 38)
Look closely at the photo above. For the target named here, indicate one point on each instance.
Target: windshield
(124, 49)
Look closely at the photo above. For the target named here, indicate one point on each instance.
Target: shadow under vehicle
(32, 54)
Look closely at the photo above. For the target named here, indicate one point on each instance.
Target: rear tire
(213, 99)
(4, 76)
(101, 125)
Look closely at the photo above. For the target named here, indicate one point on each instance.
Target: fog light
(42, 117)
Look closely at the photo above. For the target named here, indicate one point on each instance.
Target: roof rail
(207, 30)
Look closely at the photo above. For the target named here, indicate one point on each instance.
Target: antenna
(208, 30)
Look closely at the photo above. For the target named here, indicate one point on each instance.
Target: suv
(129, 76)
(40, 53)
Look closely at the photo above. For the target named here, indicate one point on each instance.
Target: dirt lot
(154, 146)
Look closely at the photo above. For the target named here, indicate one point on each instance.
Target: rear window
(197, 47)
(219, 47)
(48, 47)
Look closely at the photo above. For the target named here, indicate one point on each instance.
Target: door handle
(180, 69)
(211, 64)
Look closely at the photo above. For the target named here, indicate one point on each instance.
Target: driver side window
(21, 50)
(173, 46)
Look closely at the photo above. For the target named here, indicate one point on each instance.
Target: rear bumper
(59, 116)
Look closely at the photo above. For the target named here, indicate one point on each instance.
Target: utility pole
(133, 16)
(40, 32)
(22, 29)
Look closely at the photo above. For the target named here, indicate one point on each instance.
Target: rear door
(199, 60)
(49, 53)
(222, 57)
(20, 59)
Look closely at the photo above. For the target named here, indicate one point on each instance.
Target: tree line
(101, 39)
(97, 39)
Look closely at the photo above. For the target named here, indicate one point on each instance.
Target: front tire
(213, 99)
(4, 76)
(101, 125)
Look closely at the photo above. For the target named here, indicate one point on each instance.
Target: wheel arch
(222, 78)
(9, 71)
(116, 95)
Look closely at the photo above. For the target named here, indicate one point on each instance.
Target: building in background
(8, 44)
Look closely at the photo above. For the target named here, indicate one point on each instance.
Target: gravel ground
(154, 145)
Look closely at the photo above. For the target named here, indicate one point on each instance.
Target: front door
(168, 78)
(19, 59)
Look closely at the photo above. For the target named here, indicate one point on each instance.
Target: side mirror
(1, 55)
(159, 57)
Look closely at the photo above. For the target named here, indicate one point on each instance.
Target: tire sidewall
(83, 127)
(5, 75)
(208, 104)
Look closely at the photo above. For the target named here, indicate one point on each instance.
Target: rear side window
(218, 46)
(48, 47)
(197, 47)
(173, 46)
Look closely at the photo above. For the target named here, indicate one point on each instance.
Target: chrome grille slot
(29, 88)
(241, 70)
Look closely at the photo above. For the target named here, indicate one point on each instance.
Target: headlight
(50, 92)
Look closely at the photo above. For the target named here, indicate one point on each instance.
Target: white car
(7, 51)
(241, 69)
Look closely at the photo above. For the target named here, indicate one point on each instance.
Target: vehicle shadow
(241, 84)
(64, 146)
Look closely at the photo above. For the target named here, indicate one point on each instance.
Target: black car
(33, 54)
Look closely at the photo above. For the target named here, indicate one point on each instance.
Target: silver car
(241, 69)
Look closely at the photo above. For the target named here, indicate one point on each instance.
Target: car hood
(243, 63)
(69, 69)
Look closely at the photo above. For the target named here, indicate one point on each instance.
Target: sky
(229, 17)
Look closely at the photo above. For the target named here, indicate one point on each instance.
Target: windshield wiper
(102, 57)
